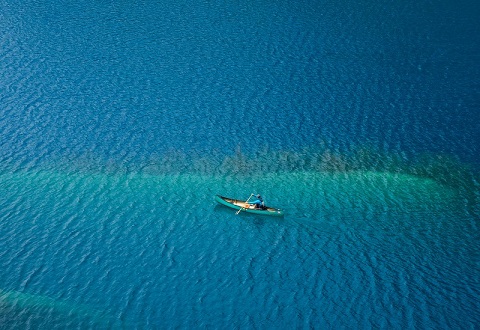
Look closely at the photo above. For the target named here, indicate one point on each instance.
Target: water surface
(120, 121)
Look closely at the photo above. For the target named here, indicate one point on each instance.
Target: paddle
(245, 203)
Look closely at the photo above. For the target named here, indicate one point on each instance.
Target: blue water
(120, 121)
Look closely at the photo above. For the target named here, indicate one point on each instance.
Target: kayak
(243, 206)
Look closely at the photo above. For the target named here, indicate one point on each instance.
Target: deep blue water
(120, 120)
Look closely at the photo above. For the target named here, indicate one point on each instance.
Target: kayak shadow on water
(227, 211)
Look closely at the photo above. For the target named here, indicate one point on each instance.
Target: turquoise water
(152, 250)
(121, 121)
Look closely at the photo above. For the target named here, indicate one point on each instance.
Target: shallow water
(156, 250)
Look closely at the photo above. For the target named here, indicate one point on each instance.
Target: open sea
(121, 120)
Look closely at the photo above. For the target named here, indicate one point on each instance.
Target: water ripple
(128, 240)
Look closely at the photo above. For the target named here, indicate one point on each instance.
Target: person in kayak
(258, 202)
